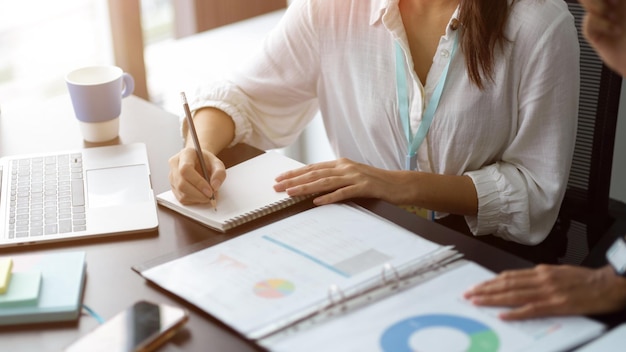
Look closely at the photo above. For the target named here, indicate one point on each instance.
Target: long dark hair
(483, 24)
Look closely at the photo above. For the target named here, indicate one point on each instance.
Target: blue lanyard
(403, 105)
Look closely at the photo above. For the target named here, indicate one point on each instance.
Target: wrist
(445, 193)
(616, 256)
(615, 294)
(398, 186)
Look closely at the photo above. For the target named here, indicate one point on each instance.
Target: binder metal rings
(334, 292)
(389, 268)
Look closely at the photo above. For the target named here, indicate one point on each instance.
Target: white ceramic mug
(96, 94)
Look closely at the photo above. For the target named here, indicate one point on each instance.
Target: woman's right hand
(186, 179)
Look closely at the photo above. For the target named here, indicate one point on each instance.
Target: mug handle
(129, 85)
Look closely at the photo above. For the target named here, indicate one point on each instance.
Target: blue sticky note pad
(61, 288)
(6, 265)
(23, 290)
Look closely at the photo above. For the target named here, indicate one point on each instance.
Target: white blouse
(515, 138)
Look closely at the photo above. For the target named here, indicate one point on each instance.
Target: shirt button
(445, 53)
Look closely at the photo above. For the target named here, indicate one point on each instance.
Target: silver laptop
(60, 196)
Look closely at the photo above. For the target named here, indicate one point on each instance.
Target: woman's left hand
(343, 179)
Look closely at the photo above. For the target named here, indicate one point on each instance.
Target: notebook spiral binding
(260, 212)
(390, 281)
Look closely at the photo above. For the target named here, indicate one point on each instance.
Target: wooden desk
(111, 285)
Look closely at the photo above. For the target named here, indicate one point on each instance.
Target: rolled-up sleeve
(519, 197)
(273, 97)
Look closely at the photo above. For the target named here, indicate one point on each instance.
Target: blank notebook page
(247, 193)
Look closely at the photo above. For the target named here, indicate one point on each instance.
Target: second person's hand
(605, 27)
(548, 290)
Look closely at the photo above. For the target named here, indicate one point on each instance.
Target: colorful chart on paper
(479, 336)
(274, 288)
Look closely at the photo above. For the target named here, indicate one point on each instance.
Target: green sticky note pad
(6, 264)
(23, 290)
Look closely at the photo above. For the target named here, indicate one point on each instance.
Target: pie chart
(479, 336)
(273, 288)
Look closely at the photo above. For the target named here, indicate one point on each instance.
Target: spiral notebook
(247, 193)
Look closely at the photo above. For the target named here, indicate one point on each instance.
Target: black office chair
(584, 216)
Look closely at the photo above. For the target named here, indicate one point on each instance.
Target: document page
(266, 276)
(434, 316)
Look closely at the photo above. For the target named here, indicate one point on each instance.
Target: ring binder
(335, 289)
(388, 267)
(363, 297)
(328, 259)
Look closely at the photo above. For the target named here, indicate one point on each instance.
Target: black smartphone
(142, 327)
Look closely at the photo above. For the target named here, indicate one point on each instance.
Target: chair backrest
(585, 209)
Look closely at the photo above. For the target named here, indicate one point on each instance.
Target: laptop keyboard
(46, 196)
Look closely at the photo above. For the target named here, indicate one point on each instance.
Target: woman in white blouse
(497, 79)
(548, 290)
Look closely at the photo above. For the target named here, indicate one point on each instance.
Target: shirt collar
(379, 7)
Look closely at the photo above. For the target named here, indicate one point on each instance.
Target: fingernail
(207, 192)
(503, 316)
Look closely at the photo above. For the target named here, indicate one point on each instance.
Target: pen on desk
(196, 144)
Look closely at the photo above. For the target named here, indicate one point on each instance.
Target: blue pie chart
(397, 337)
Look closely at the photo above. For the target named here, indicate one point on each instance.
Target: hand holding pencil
(198, 148)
